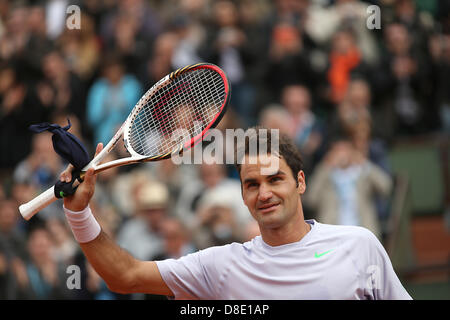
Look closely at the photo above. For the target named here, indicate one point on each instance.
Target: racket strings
(178, 112)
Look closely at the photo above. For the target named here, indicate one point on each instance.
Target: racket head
(190, 100)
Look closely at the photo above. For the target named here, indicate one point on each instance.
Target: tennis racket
(171, 117)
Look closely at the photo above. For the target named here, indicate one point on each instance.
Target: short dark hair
(263, 137)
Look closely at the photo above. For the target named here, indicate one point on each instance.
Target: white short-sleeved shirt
(329, 262)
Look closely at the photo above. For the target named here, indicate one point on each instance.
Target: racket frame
(125, 128)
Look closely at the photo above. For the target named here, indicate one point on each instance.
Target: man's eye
(274, 179)
(252, 185)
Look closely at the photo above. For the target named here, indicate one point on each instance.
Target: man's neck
(287, 234)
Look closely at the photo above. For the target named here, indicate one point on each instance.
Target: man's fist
(80, 200)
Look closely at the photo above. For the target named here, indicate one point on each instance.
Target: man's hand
(80, 200)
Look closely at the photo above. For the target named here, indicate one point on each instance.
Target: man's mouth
(268, 207)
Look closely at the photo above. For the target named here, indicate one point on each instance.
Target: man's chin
(269, 221)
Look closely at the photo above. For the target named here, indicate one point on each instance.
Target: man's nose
(265, 193)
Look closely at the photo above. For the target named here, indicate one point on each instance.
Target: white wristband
(83, 224)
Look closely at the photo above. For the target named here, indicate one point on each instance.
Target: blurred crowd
(312, 68)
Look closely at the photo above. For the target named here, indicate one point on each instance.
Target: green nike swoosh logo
(321, 254)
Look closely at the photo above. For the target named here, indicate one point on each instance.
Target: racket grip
(29, 209)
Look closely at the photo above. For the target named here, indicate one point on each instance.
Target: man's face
(272, 199)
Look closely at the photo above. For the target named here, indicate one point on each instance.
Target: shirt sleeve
(194, 276)
(382, 282)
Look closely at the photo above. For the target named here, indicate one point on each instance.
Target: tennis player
(292, 259)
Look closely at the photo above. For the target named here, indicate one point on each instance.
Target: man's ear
(301, 187)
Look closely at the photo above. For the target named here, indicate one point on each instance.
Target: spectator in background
(131, 29)
(97, 10)
(127, 42)
(217, 222)
(65, 248)
(4, 9)
(12, 237)
(147, 21)
(345, 57)
(343, 186)
(419, 23)
(13, 281)
(2, 192)
(230, 121)
(355, 106)
(443, 16)
(21, 104)
(141, 234)
(277, 117)
(439, 47)
(403, 89)
(376, 152)
(81, 49)
(292, 12)
(213, 179)
(68, 91)
(38, 44)
(253, 23)
(16, 35)
(308, 131)
(177, 240)
(322, 23)
(160, 63)
(22, 192)
(226, 46)
(289, 61)
(198, 10)
(118, 190)
(172, 175)
(405, 13)
(354, 119)
(46, 277)
(111, 98)
(191, 35)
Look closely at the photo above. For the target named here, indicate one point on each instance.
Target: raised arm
(121, 272)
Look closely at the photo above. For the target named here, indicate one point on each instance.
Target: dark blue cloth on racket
(70, 148)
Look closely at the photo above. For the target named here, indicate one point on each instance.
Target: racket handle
(29, 209)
